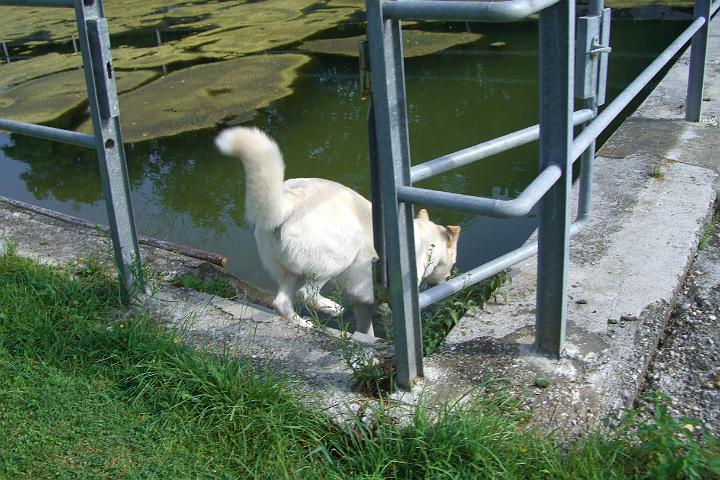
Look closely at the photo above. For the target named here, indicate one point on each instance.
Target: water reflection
(57, 170)
(188, 177)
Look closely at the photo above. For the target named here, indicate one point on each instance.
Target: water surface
(186, 192)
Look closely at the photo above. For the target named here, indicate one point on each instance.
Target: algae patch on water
(198, 18)
(18, 72)
(57, 25)
(232, 42)
(209, 30)
(212, 31)
(52, 98)
(23, 24)
(31, 24)
(206, 95)
(134, 58)
(415, 43)
(230, 15)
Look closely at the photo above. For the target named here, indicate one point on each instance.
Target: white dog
(309, 231)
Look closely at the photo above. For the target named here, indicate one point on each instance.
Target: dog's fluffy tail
(264, 171)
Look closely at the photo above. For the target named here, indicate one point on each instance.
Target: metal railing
(561, 82)
(106, 139)
(391, 173)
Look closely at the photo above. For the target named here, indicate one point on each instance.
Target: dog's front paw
(301, 322)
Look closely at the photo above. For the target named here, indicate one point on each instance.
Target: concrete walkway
(653, 191)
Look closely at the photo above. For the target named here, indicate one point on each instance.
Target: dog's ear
(453, 232)
(423, 214)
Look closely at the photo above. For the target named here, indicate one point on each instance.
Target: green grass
(91, 397)
(657, 173)
(56, 422)
(87, 392)
(212, 284)
(709, 230)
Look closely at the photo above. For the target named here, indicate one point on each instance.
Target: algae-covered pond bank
(184, 191)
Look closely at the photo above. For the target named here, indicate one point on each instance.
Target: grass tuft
(212, 284)
(708, 231)
(657, 173)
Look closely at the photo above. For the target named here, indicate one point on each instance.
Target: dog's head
(441, 249)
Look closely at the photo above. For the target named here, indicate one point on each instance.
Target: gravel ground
(687, 363)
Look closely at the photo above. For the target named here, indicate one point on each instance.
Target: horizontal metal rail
(601, 122)
(491, 207)
(48, 133)
(39, 3)
(476, 275)
(486, 270)
(486, 149)
(492, 11)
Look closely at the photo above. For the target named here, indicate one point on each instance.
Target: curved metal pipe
(492, 207)
(493, 12)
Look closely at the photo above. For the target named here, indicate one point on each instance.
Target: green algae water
(184, 191)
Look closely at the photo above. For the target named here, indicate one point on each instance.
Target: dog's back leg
(357, 284)
(363, 318)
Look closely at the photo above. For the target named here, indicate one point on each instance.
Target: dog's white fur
(309, 231)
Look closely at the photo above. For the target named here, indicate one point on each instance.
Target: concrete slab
(653, 193)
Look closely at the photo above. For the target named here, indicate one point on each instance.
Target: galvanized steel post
(102, 97)
(393, 156)
(380, 266)
(598, 40)
(557, 28)
(698, 50)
